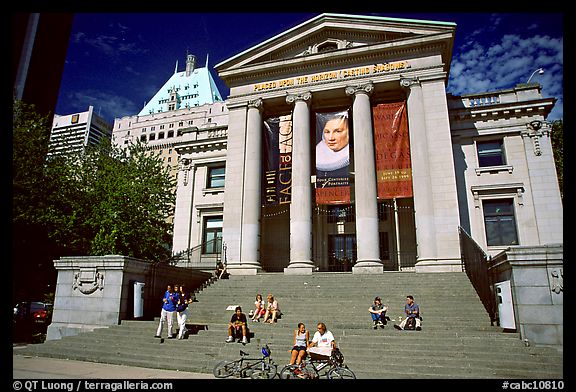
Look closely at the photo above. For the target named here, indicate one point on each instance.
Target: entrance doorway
(341, 252)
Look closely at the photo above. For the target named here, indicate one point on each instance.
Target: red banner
(392, 147)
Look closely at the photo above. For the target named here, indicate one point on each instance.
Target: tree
(558, 149)
(32, 251)
(101, 201)
(112, 201)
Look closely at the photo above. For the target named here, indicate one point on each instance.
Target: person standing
(184, 299)
(167, 315)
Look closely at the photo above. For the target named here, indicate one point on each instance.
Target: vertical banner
(392, 147)
(332, 158)
(277, 161)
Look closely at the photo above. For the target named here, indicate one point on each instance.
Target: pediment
(335, 33)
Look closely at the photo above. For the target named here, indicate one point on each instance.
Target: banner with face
(333, 158)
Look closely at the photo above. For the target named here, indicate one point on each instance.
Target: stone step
(452, 344)
(448, 365)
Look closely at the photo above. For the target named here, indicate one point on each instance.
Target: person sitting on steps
(272, 310)
(322, 344)
(301, 339)
(378, 313)
(238, 324)
(413, 319)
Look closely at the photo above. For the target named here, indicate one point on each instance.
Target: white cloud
(109, 105)
(482, 66)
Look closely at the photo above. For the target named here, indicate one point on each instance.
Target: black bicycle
(333, 368)
(263, 367)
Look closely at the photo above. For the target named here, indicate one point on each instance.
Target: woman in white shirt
(322, 343)
(271, 310)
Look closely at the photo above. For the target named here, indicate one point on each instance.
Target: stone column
(252, 194)
(421, 181)
(301, 206)
(366, 202)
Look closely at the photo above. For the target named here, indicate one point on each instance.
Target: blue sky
(118, 61)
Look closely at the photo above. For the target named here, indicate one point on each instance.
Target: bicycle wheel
(287, 372)
(341, 373)
(265, 370)
(225, 369)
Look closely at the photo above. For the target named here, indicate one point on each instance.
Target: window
(500, 222)
(212, 239)
(216, 176)
(170, 133)
(152, 137)
(161, 135)
(491, 153)
(328, 46)
(340, 213)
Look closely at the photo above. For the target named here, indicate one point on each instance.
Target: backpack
(410, 323)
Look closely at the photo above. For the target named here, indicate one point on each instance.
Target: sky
(117, 61)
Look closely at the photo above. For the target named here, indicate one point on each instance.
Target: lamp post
(540, 72)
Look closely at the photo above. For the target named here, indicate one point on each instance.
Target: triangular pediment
(335, 33)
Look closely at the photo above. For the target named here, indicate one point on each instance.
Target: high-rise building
(186, 114)
(72, 133)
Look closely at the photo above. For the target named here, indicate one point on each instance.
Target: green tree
(112, 201)
(102, 201)
(32, 251)
(558, 148)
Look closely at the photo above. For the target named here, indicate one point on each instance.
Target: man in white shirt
(322, 343)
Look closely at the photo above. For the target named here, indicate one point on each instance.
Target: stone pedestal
(92, 292)
(96, 291)
(537, 282)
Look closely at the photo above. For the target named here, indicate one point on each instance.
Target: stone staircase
(456, 341)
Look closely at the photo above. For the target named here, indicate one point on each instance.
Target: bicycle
(242, 367)
(333, 367)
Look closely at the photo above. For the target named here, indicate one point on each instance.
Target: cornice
(365, 54)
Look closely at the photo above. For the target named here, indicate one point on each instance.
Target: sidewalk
(26, 367)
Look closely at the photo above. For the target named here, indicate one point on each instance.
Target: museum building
(343, 152)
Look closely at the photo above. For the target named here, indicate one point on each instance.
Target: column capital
(366, 88)
(256, 103)
(305, 96)
(409, 82)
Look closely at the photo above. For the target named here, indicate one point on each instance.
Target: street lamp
(540, 72)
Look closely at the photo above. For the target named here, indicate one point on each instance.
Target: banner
(277, 161)
(332, 158)
(392, 148)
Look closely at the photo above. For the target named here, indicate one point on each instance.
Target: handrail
(197, 253)
(475, 262)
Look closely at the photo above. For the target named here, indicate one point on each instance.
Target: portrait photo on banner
(333, 136)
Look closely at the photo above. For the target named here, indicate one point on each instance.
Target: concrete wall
(95, 291)
(536, 279)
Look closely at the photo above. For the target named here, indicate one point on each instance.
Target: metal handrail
(475, 263)
(197, 252)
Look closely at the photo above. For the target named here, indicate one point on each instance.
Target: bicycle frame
(333, 367)
(263, 367)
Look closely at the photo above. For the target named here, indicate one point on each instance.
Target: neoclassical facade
(474, 161)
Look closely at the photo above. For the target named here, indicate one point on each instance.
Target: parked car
(32, 313)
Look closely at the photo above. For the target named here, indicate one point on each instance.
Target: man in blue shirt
(170, 301)
(412, 311)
